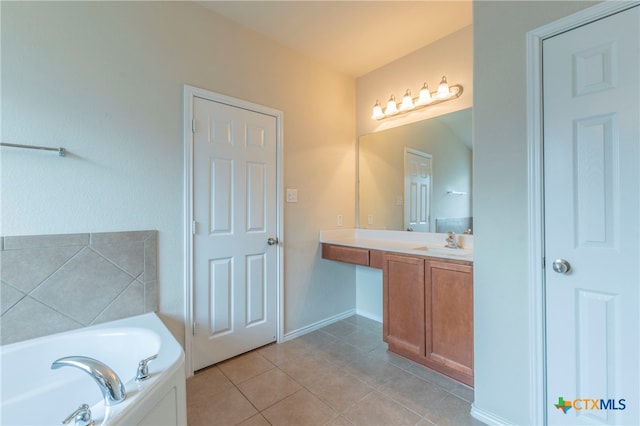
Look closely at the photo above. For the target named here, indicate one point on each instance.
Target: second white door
(592, 218)
(417, 190)
(235, 239)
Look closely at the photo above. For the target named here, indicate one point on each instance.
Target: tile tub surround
(54, 283)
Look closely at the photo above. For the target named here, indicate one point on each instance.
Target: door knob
(409, 229)
(561, 266)
(272, 240)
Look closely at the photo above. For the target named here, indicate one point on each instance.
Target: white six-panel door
(417, 192)
(592, 218)
(234, 210)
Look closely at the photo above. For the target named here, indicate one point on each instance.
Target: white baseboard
(487, 417)
(369, 315)
(318, 325)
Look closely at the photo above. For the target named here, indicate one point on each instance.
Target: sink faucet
(108, 381)
(451, 240)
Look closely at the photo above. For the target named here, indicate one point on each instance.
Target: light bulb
(407, 102)
(443, 89)
(425, 96)
(377, 111)
(392, 108)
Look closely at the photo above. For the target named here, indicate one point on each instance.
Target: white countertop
(416, 243)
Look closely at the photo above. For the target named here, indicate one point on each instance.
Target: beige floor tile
(363, 322)
(210, 382)
(452, 411)
(268, 388)
(339, 390)
(278, 353)
(365, 340)
(227, 408)
(339, 421)
(307, 371)
(340, 329)
(375, 409)
(244, 367)
(373, 371)
(463, 392)
(256, 420)
(340, 353)
(317, 339)
(301, 408)
(431, 376)
(340, 379)
(414, 393)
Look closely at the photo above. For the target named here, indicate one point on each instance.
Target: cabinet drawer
(355, 255)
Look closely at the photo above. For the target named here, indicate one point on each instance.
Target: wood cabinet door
(403, 304)
(449, 319)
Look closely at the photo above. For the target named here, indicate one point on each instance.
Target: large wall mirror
(418, 177)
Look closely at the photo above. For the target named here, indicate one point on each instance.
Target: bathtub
(34, 394)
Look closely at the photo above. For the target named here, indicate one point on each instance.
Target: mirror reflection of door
(417, 190)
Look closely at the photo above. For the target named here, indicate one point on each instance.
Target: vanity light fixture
(392, 108)
(407, 102)
(425, 98)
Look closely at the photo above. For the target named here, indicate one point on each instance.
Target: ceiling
(353, 37)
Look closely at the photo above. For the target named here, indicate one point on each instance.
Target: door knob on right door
(561, 266)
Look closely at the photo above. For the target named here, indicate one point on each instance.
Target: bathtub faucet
(108, 381)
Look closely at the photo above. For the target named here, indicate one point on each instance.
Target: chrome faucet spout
(107, 380)
(451, 240)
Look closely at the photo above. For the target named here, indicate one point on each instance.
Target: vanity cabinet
(403, 308)
(428, 312)
(449, 319)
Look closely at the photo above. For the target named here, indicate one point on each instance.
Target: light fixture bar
(425, 99)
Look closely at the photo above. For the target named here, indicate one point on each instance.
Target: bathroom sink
(445, 251)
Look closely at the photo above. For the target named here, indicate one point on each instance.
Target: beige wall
(105, 80)
(501, 299)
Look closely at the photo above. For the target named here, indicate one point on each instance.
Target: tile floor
(341, 374)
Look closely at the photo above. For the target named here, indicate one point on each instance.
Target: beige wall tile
(25, 269)
(74, 283)
(32, 241)
(84, 287)
(9, 296)
(29, 319)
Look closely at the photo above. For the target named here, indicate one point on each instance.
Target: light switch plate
(292, 195)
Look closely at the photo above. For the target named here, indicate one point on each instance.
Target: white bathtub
(34, 394)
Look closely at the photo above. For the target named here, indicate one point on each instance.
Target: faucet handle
(82, 416)
(143, 368)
